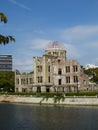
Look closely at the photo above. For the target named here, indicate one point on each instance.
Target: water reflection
(47, 117)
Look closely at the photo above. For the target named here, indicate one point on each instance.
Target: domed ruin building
(53, 73)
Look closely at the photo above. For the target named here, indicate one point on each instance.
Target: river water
(47, 117)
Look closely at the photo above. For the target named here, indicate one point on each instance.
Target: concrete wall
(37, 100)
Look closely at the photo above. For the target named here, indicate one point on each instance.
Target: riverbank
(84, 100)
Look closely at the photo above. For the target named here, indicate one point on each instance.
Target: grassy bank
(50, 94)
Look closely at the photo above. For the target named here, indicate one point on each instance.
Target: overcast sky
(35, 23)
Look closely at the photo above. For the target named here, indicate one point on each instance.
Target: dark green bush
(50, 95)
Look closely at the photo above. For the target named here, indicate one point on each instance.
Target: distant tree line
(7, 81)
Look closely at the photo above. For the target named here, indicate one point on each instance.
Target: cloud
(20, 5)
(38, 43)
(72, 51)
(89, 46)
(93, 44)
(39, 32)
(25, 65)
(79, 33)
(96, 61)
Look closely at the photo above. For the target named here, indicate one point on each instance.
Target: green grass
(50, 95)
(82, 94)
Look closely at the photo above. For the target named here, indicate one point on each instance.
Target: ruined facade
(53, 73)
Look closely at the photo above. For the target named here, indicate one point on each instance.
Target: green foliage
(7, 81)
(3, 18)
(82, 94)
(93, 73)
(5, 39)
(56, 96)
(89, 72)
(31, 72)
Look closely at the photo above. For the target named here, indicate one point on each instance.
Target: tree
(93, 74)
(5, 39)
(7, 81)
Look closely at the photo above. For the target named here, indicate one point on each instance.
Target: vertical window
(31, 80)
(49, 79)
(26, 80)
(75, 79)
(54, 53)
(75, 68)
(62, 54)
(40, 79)
(38, 89)
(59, 61)
(24, 89)
(49, 68)
(47, 89)
(17, 81)
(49, 53)
(68, 79)
(67, 69)
(59, 71)
(22, 81)
(16, 89)
(59, 81)
(39, 68)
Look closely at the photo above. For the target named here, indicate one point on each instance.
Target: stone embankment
(39, 100)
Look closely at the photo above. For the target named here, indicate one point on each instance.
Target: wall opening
(59, 81)
(47, 89)
(38, 89)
